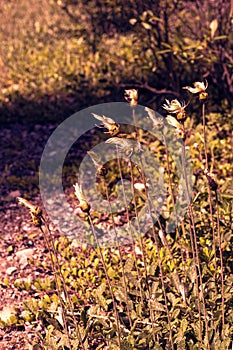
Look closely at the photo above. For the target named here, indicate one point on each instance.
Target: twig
(146, 86)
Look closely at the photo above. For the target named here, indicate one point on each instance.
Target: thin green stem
(60, 274)
(162, 279)
(159, 262)
(108, 282)
(56, 277)
(209, 189)
(130, 228)
(193, 239)
(142, 250)
(138, 224)
(173, 201)
(121, 258)
(221, 267)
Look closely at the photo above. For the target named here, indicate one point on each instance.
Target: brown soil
(20, 242)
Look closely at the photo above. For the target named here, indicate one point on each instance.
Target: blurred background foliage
(57, 57)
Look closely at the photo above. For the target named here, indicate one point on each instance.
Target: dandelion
(174, 106)
(157, 119)
(199, 88)
(35, 211)
(131, 96)
(108, 123)
(83, 204)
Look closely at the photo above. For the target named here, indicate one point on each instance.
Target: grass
(159, 291)
(52, 66)
(40, 83)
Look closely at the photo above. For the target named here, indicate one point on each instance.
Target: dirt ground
(22, 245)
(20, 242)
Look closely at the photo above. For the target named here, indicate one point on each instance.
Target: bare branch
(150, 88)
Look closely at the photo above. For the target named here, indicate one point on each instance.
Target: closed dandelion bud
(177, 125)
(181, 115)
(131, 96)
(36, 212)
(84, 206)
(203, 95)
(114, 130)
(83, 203)
(36, 221)
(102, 170)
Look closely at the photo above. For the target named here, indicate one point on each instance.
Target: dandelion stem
(194, 245)
(159, 261)
(142, 249)
(221, 266)
(108, 282)
(121, 259)
(173, 200)
(60, 274)
(209, 189)
(56, 277)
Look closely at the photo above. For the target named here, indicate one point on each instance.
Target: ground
(22, 245)
(20, 242)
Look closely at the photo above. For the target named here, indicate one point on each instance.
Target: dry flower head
(83, 203)
(131, 96)
(101, 169)
(35, 211)
(176, 107)
(199, 88)
(178, 126)
(108, 123)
